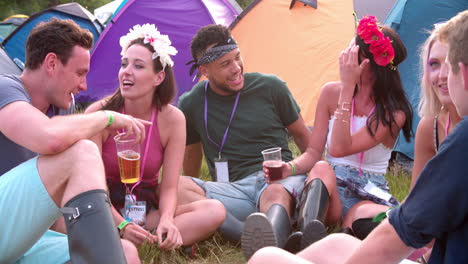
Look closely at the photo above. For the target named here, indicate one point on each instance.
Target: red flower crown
(379, 45)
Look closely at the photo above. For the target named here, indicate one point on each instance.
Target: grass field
(215, 250)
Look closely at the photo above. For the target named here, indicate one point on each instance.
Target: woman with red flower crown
(357, 121)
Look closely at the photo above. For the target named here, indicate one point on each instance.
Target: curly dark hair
(388, 92)
(207, 36)
(57, 36)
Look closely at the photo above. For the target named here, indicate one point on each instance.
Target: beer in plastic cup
(128, 153)
(273, 162)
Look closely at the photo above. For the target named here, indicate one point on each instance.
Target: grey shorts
(241, 197)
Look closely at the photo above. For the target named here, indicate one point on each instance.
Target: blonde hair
(455, 33)
(429, 103)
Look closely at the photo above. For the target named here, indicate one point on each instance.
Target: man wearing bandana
(232, 116)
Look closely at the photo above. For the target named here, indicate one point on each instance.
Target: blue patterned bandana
(213, 54)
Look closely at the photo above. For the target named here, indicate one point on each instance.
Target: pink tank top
(146, 190)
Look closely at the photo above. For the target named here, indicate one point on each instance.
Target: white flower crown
(150, 34)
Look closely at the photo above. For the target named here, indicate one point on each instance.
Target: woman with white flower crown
(146, 88)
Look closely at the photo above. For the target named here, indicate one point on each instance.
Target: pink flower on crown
(150, 34)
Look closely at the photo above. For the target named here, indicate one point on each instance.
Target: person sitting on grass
(47, 165)
(232, 117)
(418, 220)
(357, 121)
(146, 88)
(438, 119)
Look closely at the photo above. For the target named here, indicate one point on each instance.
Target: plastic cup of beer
(128, 154)
(274, 164)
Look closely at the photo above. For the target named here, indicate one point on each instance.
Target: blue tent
(9, 24)
(413, 19)
(15, 43)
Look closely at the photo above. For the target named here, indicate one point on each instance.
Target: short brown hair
(455, 33)
(55, 36)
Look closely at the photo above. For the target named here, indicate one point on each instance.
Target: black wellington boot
(92, 235)
(313, 209)
(263, 230)
(363, 226)
(231, 229)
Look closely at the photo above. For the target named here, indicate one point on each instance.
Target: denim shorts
(27, 211)
(351, 186)
(241, 197)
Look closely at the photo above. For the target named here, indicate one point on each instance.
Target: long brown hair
(165, 91)
(387, 90)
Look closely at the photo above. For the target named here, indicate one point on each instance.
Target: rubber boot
(92, 235)
(363, 226)
(231, 229)
(314, 203)
(263, 230)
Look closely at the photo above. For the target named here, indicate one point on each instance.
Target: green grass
(216, 250)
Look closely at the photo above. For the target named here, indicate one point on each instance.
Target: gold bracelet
(340, 116)
(344, 120)
(343, 106)
(340, 113)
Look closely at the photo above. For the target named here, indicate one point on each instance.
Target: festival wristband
(293, 168)
(123, 224)
(111, 118)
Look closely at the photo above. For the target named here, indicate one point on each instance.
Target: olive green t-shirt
(265, 108)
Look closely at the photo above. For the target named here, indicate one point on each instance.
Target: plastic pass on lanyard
(135, 211)
(222, 171)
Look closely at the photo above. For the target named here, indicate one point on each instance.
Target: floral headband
(150, 34)
(379, 45)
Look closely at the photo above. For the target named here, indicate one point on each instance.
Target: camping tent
(180, 19)
(301, 45)
(11, 23)
(7, 65)
(15, 43)
(412, 25)
(379, 9)
(105, 12)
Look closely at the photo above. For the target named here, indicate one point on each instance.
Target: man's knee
(84, 150)
(323, 171)
(321, 167)
(276, 193)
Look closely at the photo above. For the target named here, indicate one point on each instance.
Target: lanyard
(229, 124)
(147, 143)
(361, 154)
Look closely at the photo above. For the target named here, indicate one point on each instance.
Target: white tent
(103, 13)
